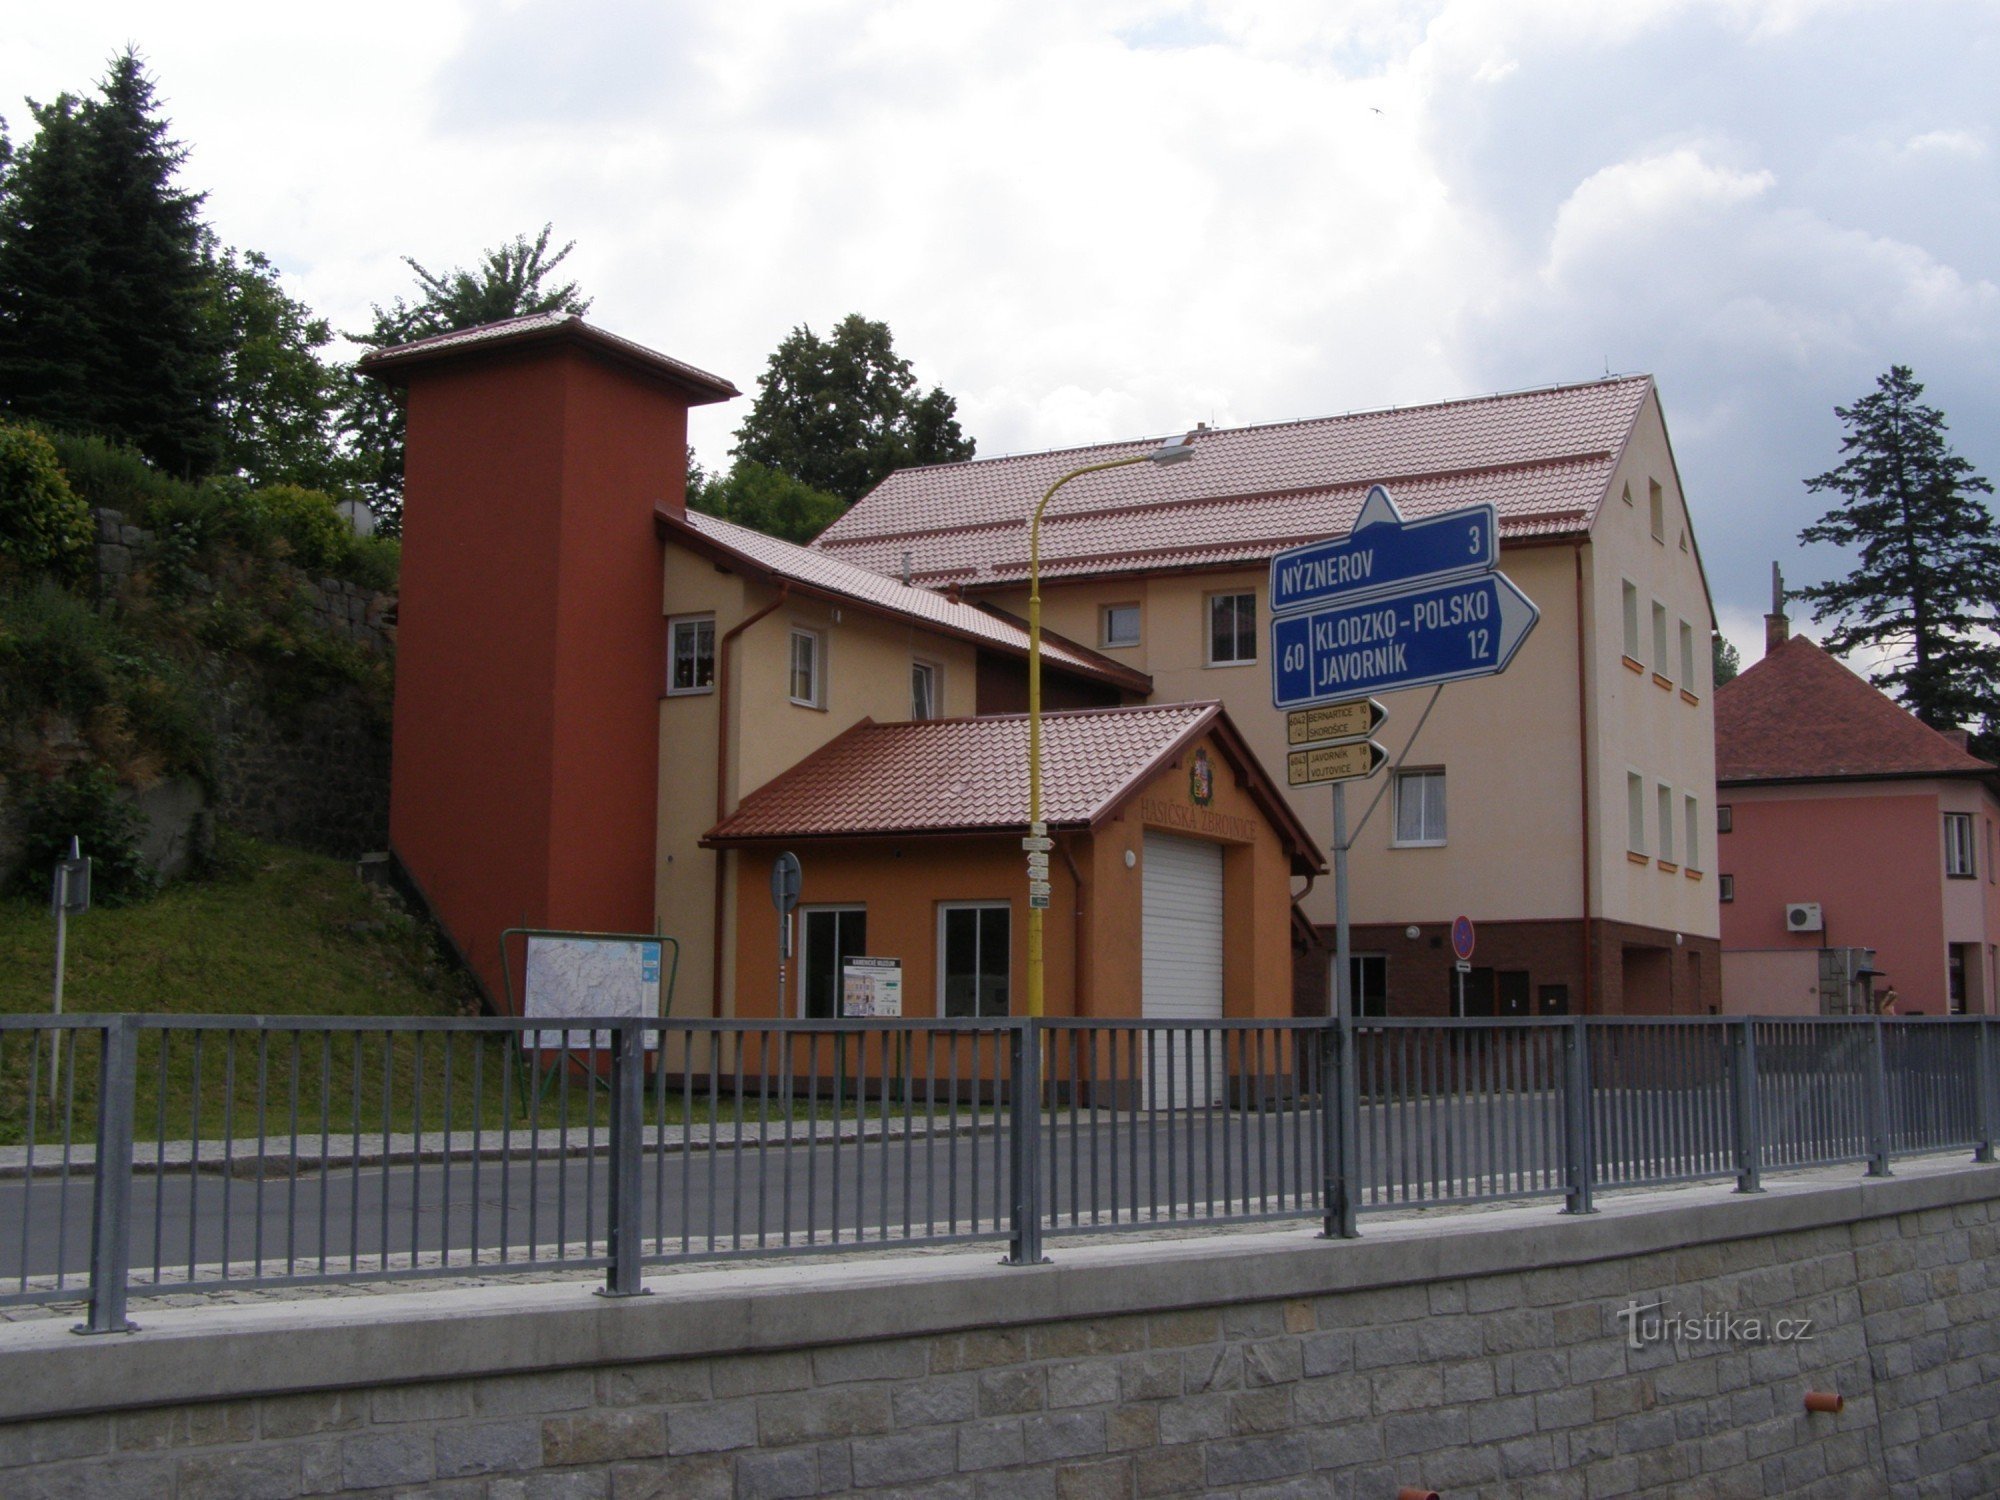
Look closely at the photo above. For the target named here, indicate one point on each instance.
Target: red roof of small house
(1544, 458)
(830, 578)
(1799, 715)
(535, 329)
(959, 776)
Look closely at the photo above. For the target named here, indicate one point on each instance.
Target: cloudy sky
(1100, 220)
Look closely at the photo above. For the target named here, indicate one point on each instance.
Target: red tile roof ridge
(537, 328)
(1167, 506)
(831, 575)
(1799, 714)
(1356, 414)
(967, 776)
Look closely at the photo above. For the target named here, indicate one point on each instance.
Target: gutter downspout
(1077, 1006)
(1583, 763)
(722, 782)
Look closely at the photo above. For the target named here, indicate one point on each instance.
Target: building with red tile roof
(612, 711)
(1849, 826)
(1563, 806)
(912, 831)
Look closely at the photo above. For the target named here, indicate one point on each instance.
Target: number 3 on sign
(1472, 540)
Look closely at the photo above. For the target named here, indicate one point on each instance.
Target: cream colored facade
(1518, 749)
(865, 665)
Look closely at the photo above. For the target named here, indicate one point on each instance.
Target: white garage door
(1181, 978)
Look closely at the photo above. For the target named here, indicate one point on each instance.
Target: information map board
(589, 978)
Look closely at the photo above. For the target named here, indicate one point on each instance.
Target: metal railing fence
(143, 1154)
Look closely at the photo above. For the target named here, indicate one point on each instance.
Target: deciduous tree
(507, 282)
(278, 399)
(841, 413)
(1926, 574)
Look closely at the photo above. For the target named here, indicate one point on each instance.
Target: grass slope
(280, 932)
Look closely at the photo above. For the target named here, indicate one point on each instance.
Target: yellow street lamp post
(1171, 452)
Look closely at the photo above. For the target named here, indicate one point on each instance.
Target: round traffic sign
(1461, 937)
(787, 879)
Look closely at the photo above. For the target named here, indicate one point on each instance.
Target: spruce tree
(1927, 569)
(103, 290)
(51, 343)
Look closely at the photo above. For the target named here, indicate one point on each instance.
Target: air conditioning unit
(1803, 916)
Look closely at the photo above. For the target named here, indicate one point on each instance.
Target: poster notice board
(871, 988)
(590, 979)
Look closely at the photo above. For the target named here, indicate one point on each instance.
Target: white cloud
(1106, 219)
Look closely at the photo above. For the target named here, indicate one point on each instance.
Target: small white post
(63, 867)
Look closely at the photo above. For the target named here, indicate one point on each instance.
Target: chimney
(1777, 627)
(1959, 737)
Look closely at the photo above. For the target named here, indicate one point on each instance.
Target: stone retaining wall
(1258, 1366)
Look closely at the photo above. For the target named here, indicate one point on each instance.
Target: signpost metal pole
(787, 880)
(1344, 1107)
(70, 890)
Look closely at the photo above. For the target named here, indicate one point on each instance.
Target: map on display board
(589, 979)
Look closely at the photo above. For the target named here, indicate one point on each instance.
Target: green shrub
(45, 525)
(318, 536)
(58, 654)
(115, 477)
(375, 562)
(86, 805)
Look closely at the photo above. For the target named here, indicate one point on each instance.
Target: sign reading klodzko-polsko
(1369, 614)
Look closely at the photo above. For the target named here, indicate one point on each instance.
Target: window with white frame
(1687, 656)
(1725, 818)
(807, 677)
(1725, 888)
(1635, 812)
(923, 690)
(1420, 808)
(974, 958)
(1664, 794)
(1692, 822)
(1232, 629)
(1660, 657)
(691, 654)
(1121, 624)
(1960, 861)
(830, 936)
(1632, 620)
(1657, 503)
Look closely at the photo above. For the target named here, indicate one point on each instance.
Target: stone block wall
(318, 779)
(1516, 1383)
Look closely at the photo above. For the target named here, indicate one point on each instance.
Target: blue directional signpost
(1393, 604)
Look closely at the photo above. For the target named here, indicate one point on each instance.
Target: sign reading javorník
(1369, 614)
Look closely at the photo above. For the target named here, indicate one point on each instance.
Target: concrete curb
(218, 1353)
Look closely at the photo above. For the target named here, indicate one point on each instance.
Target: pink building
(1845, 823)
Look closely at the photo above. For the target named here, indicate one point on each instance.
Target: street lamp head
(1173, 450)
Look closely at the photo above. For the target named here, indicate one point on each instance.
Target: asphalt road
(1100, 1169)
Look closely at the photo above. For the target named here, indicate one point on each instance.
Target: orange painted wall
(529, 651)
(903, 881)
